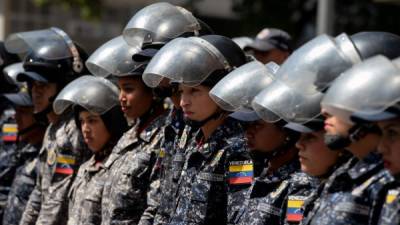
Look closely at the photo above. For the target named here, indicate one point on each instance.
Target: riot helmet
(316, 64)
(51, 56)
(236, 91)
(114, 58)
(194, 61)
(161, 22)
(96, 95)
(242, 41)
(10, 74)
(6, 59)
(360, 90)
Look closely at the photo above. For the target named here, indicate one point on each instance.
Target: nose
(85, 128)
(300, 144)
(122, 96)
(383, 145)
(184, 101)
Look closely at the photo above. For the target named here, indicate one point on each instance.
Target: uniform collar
(218, 139)
(371, 164)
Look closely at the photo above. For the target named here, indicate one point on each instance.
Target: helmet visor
(95, 94)
(237, 89)
(113, 58)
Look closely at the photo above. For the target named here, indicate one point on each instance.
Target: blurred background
(93, 22)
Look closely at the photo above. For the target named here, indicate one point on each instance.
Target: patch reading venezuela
(10, 131)
(391, 196)
(294, 212)
(240, 172)
(64, 164)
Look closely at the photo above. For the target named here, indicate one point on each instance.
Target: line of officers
(177, 125)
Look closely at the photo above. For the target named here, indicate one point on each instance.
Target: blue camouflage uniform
(353, 193)
(8, 154)
(62, 152)
(87, 189)
(23, 184)
(215, 176)
(390, 214)
(267, 199)
(169, 164)
(129, 168)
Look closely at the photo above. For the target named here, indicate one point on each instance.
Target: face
(196, 103)
(315, 157)
(135, 98)
(389, 145)
(335, 126)
(94, 131)
(275, 55)
(24, 118)
(41, 93)
(263, 136)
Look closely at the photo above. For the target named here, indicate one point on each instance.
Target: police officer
(8, 130)
(372, 103)
(8, 133)
(266, 200)
(270, 44)
(30, 137)
(217, 165)
(175, 22)
(98, 114)
(130, 165)
(300, 72)
(52, 60)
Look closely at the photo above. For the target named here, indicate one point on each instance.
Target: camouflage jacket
(8, 131)
(215, 177)
(267, 199)
(62, 152)
(353, 194)
(8, 166)
(23, 184)
(390, 214)
(168, 168)
(129, 168)
(86, 191)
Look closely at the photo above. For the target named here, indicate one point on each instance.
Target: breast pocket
(92, 204)
(204, 194)
(352, 210)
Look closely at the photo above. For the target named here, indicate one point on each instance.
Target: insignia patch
(10, 131)
(241, 172)
(294, 213)
(214, 177)
(391, 196)
(64, 164)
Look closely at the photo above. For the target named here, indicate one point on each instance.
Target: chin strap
(359, 131)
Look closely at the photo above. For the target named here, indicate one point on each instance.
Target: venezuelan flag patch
(240, 172)
(10, 131)
(391, 196)
(64, 164)
(294, 213)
